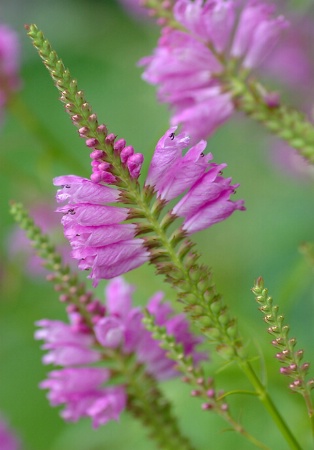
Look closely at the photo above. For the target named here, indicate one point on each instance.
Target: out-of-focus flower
(9, 64)
(88, 389)
(135, 9)
(8, 440)
(188, 66)
(292, 66)
(207, 198)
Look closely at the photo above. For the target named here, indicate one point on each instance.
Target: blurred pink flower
(82, 386)
(9, 64)
(8, 439)
(187, 65)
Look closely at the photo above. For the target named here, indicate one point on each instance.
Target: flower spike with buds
(287, 355)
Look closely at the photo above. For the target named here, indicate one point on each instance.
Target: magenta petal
(107, 407)
(81, 236)
(183, 173)
(212, 213)
(92, 215)
(81, 190)
(168, 150)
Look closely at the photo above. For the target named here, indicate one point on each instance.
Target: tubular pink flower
(207, 200)
(187, 66)
(67, 346)
(81, 384)
(98, 238)
(81, 390)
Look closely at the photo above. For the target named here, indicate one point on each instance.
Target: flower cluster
(82, 384)
(207, 200)
(98, 238)
(188, 65)
(9, 63)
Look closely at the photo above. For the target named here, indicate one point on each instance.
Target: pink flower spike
(186, 65)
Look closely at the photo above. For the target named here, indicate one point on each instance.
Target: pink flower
(9, 63)
(207, 200)
(8, 440)
(80, 389)
(81, 384)
(125, 330)
(67, 346)
(187, 65)
(98, 237)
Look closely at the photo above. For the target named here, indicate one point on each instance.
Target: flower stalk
(289, 357)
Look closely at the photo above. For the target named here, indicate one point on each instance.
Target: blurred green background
(101, 43)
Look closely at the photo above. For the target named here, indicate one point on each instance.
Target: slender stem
(38, 129)
(268, 403)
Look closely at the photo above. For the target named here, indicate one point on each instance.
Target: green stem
(268, 403)
(37, 128)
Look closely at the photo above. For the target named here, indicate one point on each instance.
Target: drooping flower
(187, 66)
(9, 64)
(8, 440)
(98, 237)
(207, 192)
(86, 384)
